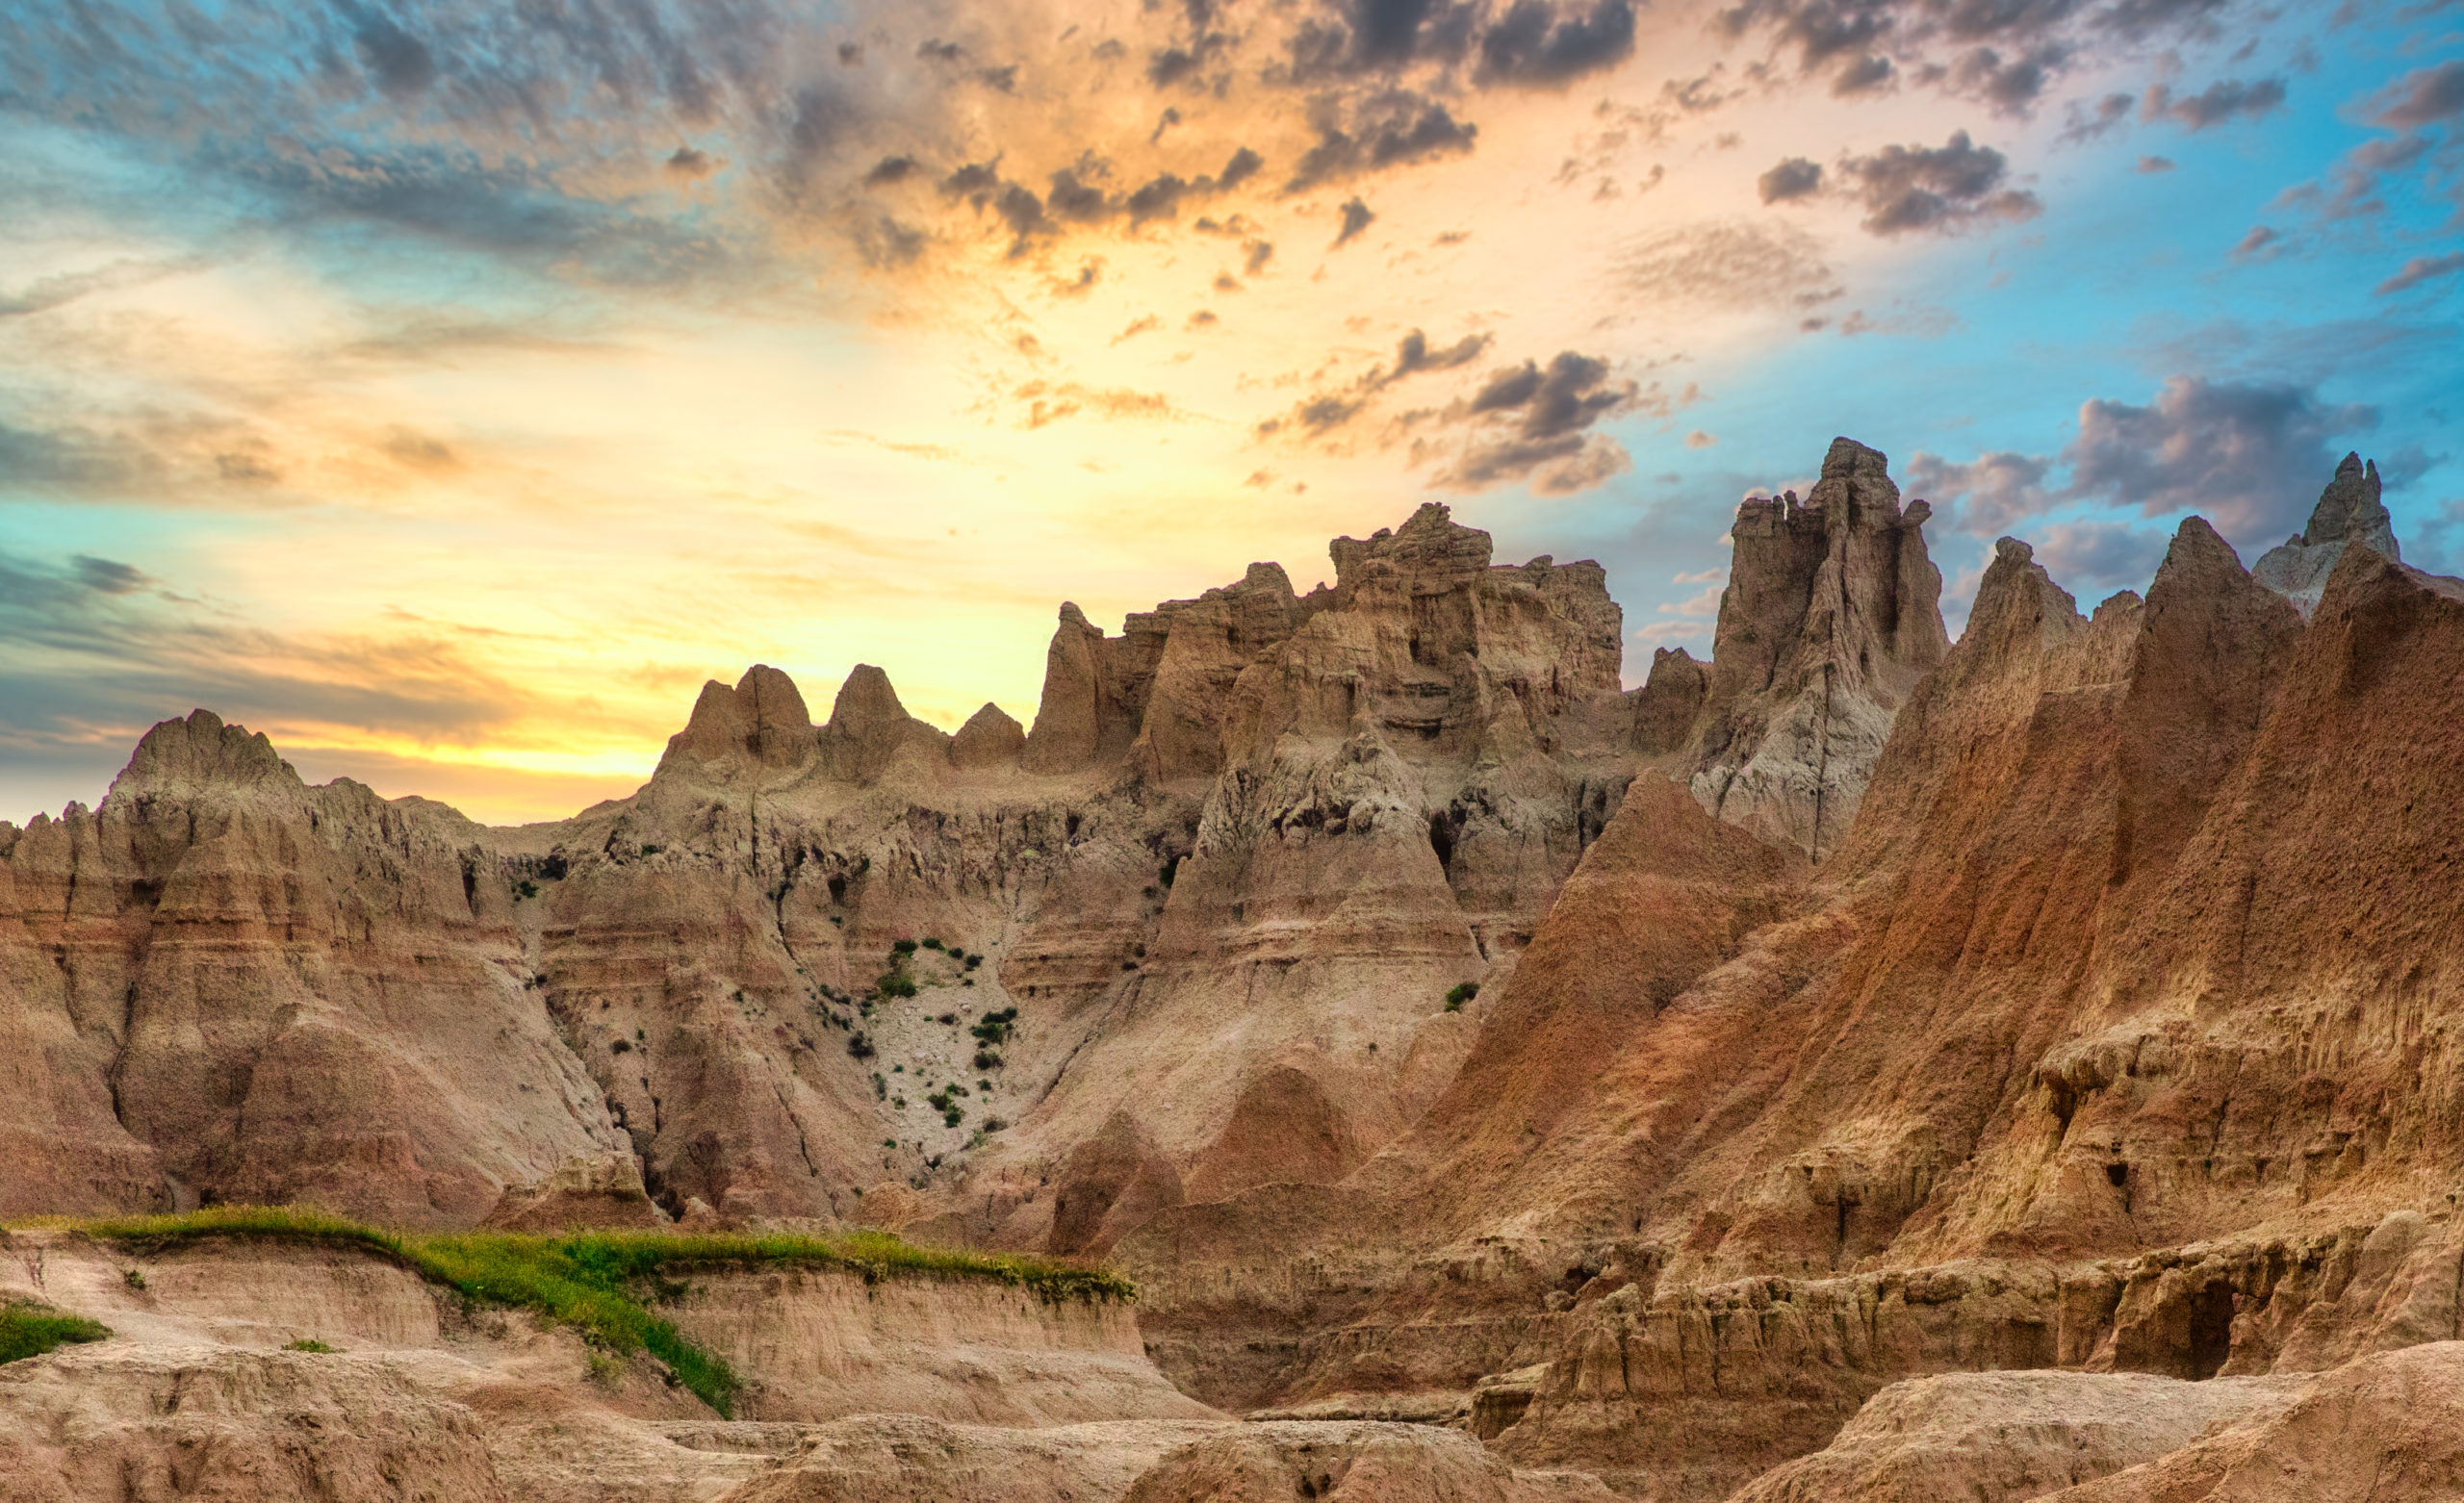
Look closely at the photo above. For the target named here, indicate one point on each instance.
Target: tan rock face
(1831, 615)
(1311, 817)
(225, 982)
(1850, 1010)
(1987, 1437)
(2089, 989)
(1356, 1463)
(2392, 1424)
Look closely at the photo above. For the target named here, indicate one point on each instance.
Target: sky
(448, 390)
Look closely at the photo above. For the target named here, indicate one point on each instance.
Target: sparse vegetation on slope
(598, 1282)
(28, 1329)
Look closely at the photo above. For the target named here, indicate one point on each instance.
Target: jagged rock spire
(1832, 613)
(2349, 511)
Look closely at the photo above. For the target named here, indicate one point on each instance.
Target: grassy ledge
(29, 1330)
(598, 1281)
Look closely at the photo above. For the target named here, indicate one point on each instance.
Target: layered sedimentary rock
(223, 981)
(1314, 815)
(2392, 1424)
(1851, 1010)
(2112, 983)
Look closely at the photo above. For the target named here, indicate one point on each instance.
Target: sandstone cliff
(2111, 982)
(1652, 1079)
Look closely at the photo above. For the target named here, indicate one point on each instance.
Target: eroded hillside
(1641, 1080)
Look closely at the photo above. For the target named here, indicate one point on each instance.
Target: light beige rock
(2388, 1428)
(2348, 513)
(1357, 1462)
(1999, 1436)
(908, 1459)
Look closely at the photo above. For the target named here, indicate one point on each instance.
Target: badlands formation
(1862, 1066)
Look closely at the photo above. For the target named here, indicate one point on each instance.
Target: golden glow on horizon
(532, 536)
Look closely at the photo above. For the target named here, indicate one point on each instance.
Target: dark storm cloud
(1391, 129)
(2005, 53)
(1413, 356)
(2009, 85)
(1863, 76)
(1243, 165)
(2090, 120)
(2220, 102)
(1989, 497)
(107, 576)
(2093, 557)
(1570, 393)
(1537, 45)
(72, 460)
(1531, 423)
(95, 640)
(1073, 194)
(1378, 37)
(1942, 188)
(2249, 457)
(2425, 96)
(401, 64)
(1792, 178)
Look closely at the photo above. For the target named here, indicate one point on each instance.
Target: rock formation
(2348, 512)
(1831, 615)
(1851, 1066)
(2103, 986)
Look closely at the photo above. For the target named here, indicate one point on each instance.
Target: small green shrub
(987, 1059)
(1463, 992)
(931, 944)
(858, 1047)
(134, 1278)
(954, 1116)
(528, 888)
(895, 983)
(621, 1046)
(973, 961)
(651, 849)
(29, 1330)
(881, 1086)
(993, 1028)
(606, 1370)
(903, 947)
(889, 1143)
(307, 1344)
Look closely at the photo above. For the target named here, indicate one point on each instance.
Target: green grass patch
(308, 1343)
(32, 1330)
(602, 1283)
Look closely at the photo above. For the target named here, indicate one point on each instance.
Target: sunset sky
(448, 390)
